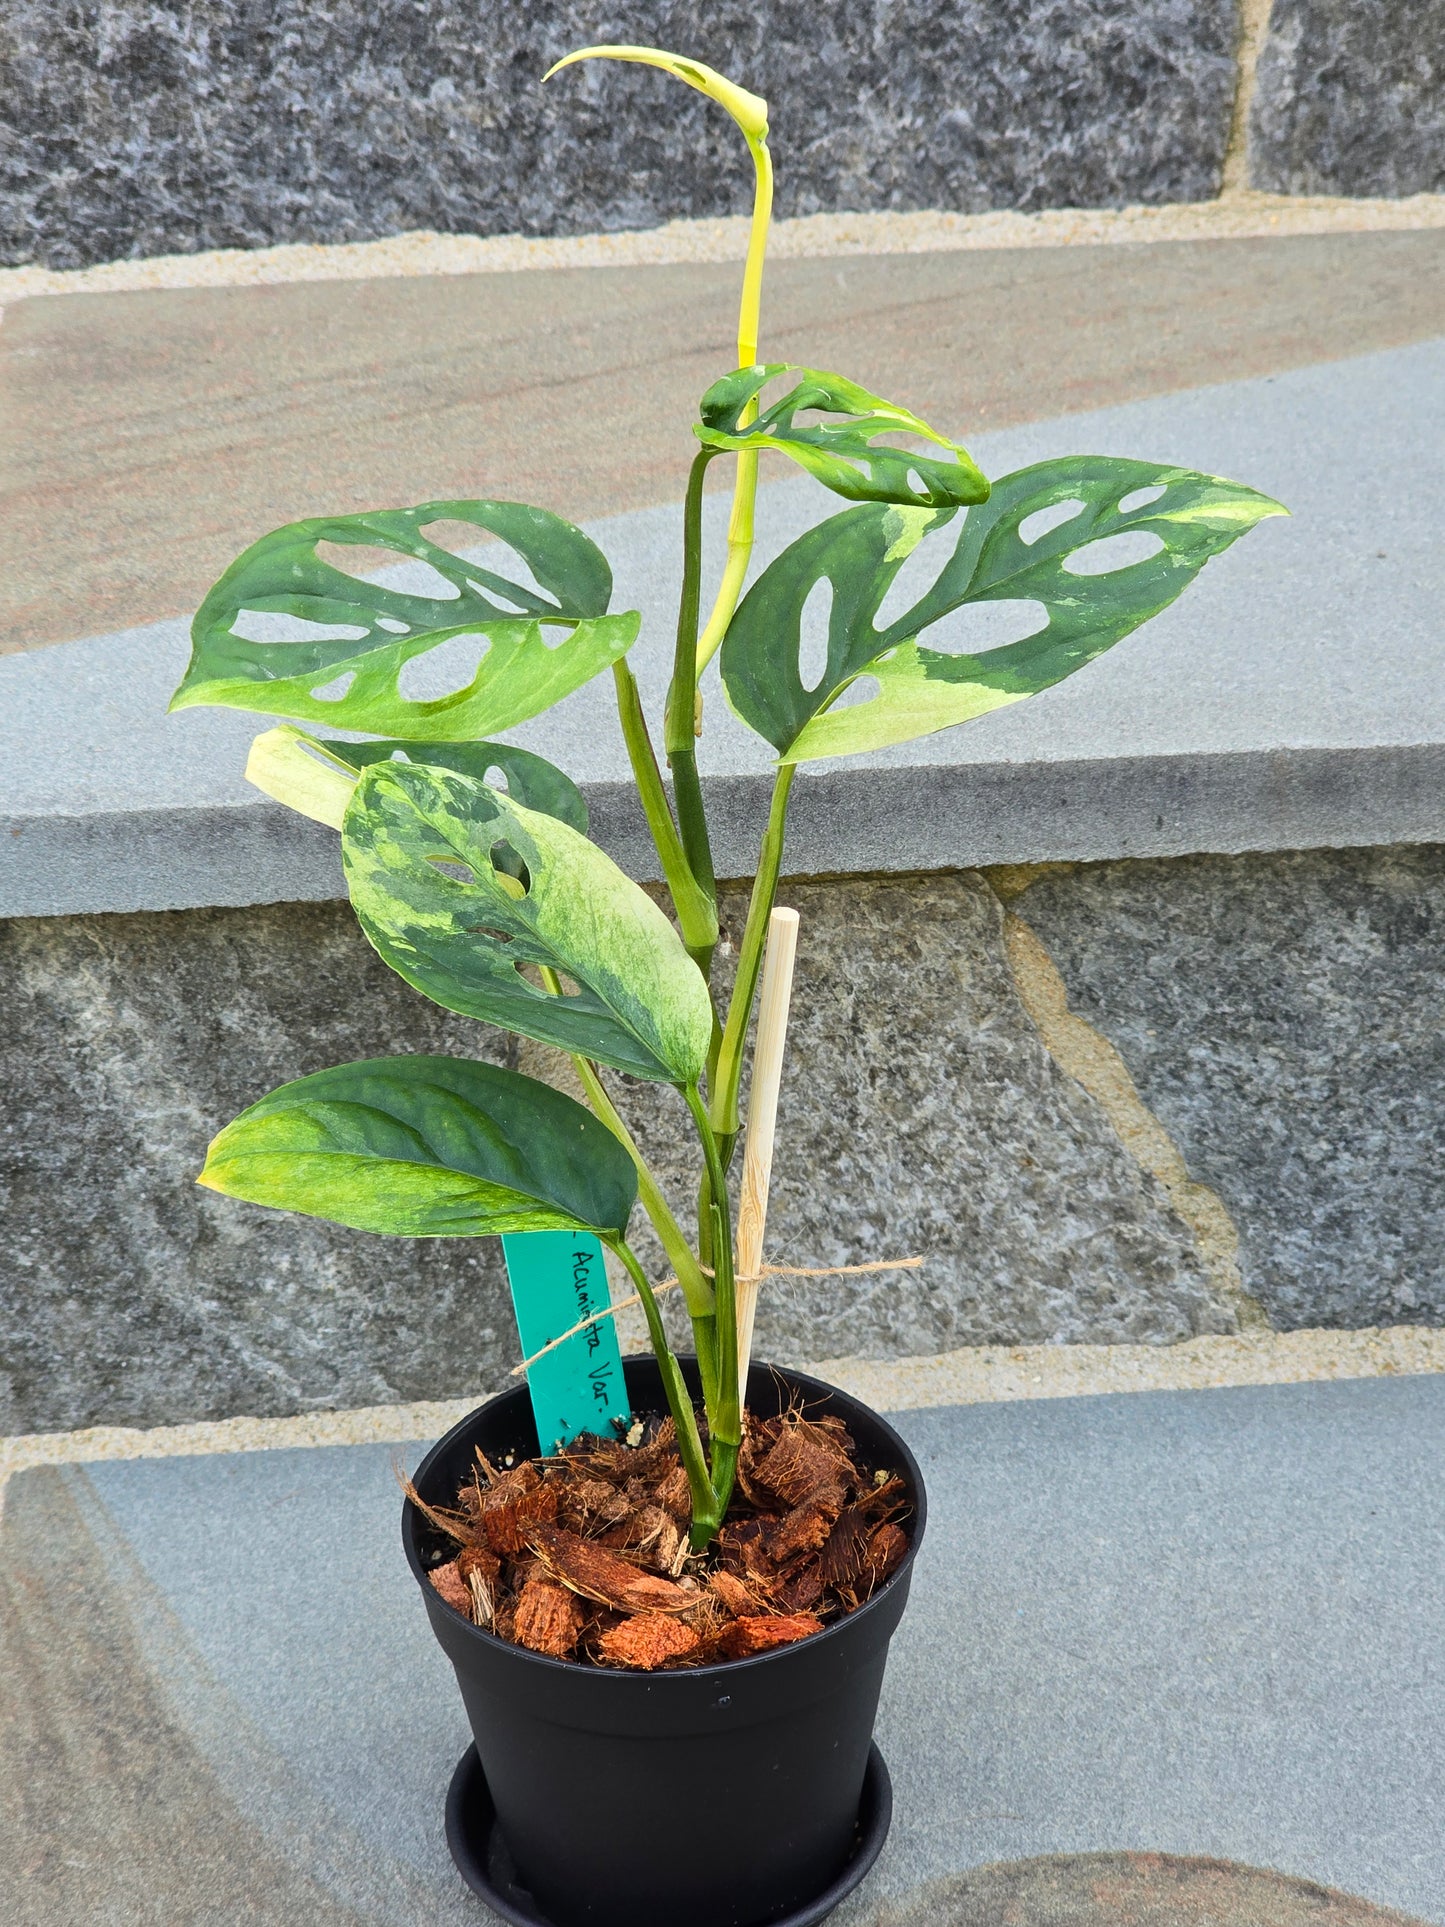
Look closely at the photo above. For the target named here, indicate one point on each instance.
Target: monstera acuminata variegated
(396, 658)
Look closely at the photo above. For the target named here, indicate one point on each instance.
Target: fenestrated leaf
(1190, 516)
(530, 779)
(427, 1147)
(315, 777)
(433, 860)
(844, 454)
(536, 647)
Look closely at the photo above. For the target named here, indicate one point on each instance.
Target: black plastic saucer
(483, 1862)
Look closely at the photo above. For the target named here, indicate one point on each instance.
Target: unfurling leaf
(1088, 602)
(293, 768)
(315, 777)
(843, 454)
(527, 778)
(750, 111)
(461, 891)
(427, 1147)
(288, 633)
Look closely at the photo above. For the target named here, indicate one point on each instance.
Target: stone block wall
(135, 127)
(1123, 1102)
(1350, 98)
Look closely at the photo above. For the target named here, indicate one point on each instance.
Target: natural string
(670, 1284)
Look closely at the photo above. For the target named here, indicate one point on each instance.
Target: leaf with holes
(527, 778)
(341, 647)
(427, 1147)
(458, 887)
(1090, 598)
(316, 777)
(842, 454)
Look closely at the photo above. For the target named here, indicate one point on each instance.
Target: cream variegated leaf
(467, 895)
(1003, 553)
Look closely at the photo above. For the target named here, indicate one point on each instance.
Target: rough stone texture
(1350, 98)
(128, 1294)
(1144, 1889)
(1282, 1016)
(119, 1818)
(1147, 1636)
(921, 1093)
(144, 127)
(921, 1115)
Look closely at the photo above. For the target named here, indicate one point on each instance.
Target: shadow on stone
(1130, 1890)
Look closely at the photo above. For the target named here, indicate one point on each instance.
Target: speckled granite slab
(1174, 1649)
(141, 130)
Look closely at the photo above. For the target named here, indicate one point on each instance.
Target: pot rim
(686, 1678)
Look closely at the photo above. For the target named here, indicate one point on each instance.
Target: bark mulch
(585, 1556)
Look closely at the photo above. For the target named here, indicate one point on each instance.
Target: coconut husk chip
(591, 1570)
(548, 1618)
(585, 1555)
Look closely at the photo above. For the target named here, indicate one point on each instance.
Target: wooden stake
(773, 1001)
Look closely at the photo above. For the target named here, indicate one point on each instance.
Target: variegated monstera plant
(488, 897)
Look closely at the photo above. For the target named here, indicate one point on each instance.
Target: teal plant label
(557, 1278)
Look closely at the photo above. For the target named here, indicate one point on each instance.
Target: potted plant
(679, 1733)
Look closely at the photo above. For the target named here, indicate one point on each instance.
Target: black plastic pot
(725, 1796)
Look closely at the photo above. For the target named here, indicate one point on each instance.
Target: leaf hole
(500, 558)
(413, 577)
(447, 670)
(507, 863)
(862, 689)
(1113, 552)
(486, 930)
(916, 576)
(262, 625)
(333, 691)
(979, 626)
(1140, 498)
(405, 574)
(1044, 521)
(813, 624)
(496, 779)
(488, 553)
(362, 560)
(450, 867)
(391, 623)
(529, 973)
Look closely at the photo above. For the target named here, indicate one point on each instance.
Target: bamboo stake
(773, 1001)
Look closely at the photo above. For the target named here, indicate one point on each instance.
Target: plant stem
(724, 1413)
(696, 906)
(695, 1287)
(745, 485)
(680, 727)
(724, 1089)
(706, 1514)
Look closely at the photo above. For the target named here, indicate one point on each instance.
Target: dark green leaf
(1190, 518)
(529, 779)
(427, 1147)
(433, 861)
(537, 647)
(842, 454)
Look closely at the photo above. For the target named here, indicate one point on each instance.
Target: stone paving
(1179, 1649)
(145, 436)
